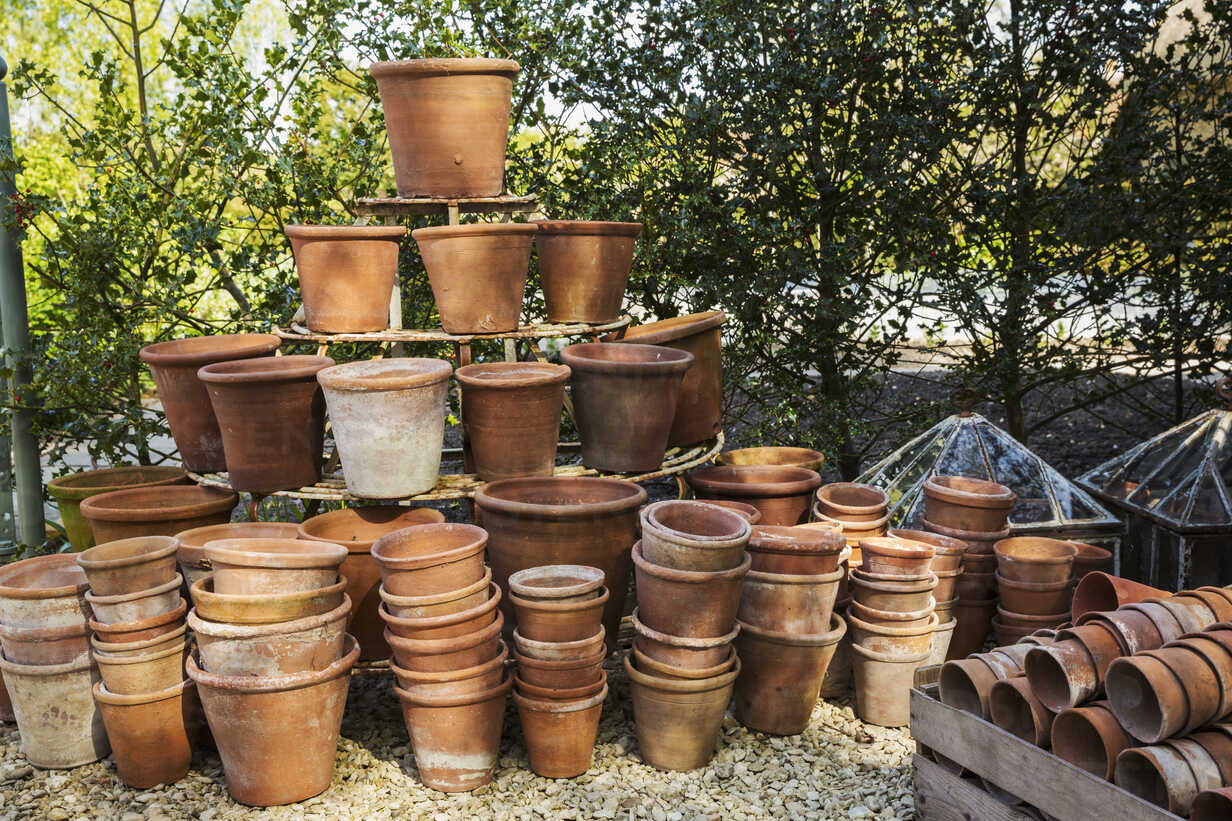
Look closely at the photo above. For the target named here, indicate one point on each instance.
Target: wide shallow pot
(455, 738)
(787, 603)
(1014, 708)
(781, 676)
(773, 455)
(43, 591)
(1090, 737)
(276, 735)
(44, 645)
(563, 520)
(678, 720)
(685, 602)
(246, 566)
(264, 608)
(624, 401)
(473, 679)
(560, 735)
(449, 625)
(511, 411)
(883, 685)
(448, 121)
(138, 606)
(782, 494)
(191, 555)
(272, 415)
(561, 673)
(452, 653)
(693, 536)
(346, 274)
(583, 267)
(1035, 597)
(151, 733)
(434, 558)
(681, 651)
(886, 556)
(974, 621)
(966, 503)
(1034, 559)
(559, 620)
(801, 551)
(156, 511)
(699, 410)
(1097, 591)
(59, 723)
(129, 565)
(852, 502)
(143, 672)
(143, 630)
(559, 650)
(388, 418)
(277, 649)
(69, 491)
(477, 273)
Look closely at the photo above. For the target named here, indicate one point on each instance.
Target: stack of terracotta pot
(191, 555)
(560, 684)
(789, 631)
(1035, 585)
(46, 661)
(150, 709)
(781, 493)
(973, 511)
(690, 567)
(443, 624)
(860, 510)
(946, 565)
(272, 652)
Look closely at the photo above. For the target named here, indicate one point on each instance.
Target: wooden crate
(1036, 776)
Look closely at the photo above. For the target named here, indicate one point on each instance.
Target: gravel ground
(839, 768)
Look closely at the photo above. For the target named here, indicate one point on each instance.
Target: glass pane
(1208, 505)
(965, 455)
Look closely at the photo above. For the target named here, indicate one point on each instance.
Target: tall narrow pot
(781, 676)
(883, 685)
(584, 266)
(477, 272)
(511, 411)
(69, 491)
(151, 733)
(346, 274)
(560, 735)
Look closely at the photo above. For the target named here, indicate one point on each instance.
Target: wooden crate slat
(942, 796)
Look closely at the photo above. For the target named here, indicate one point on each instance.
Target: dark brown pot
(563, 520)
(1090, 737)
(560, 735)
(782, 494)
(511, 411)
(434, 558)
(966, 503)
(185, 402)
(797, 551)
(974, 621)
(272, 415)
(624, 400)
(781, 676)
(151, 734)
(699, 604)
(1212, 805)
(448, 122)
(584, 266)
(156, 511)
(477, 272)
(346, 274)
(559, 620)
(356, 529)
(6, 704)
(699, 410)
(678, 720)
(455, 738)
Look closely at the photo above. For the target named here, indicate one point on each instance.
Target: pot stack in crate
(443, 624)
(690, 566)
(273, 662)
(1035, 585)
(560, 684)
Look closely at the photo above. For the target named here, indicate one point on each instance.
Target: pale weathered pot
(966, 503)
(248, 566)
(557, 582)
(837, 680)
(511, 412)
(1151, 699)
(782, 494)
(942, 634)
(139, 605)
(695, 536)
(559, 620)
(133, 631)
(680, 651)
(434, 558)
(560, 735)
(781, 675)
(151, 733)
(264, 608)
(143, 672)
(139, 647)
(45, 645)
(346, 274)
(852, 502)
(437, 604)
(788, 603)
(1090, 737)
(799, 550)
(1163, 775)
(477, 272)
(453, 653)
(685, 602)
(59, 723)
(191, 555)
(1014, 708)
(1034, 559)
(853, 532)
(678, 720)
(44, 591)
(156, 511)
(129, 565)
(583, 267)
(69, 491)
(1133, 628)
(883, 685)
(449, 625)
(277, 649)
(443, 683)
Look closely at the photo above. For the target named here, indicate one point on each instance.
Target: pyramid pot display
(346, 275)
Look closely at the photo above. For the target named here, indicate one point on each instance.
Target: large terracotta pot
(129, 565)
(346, 274)
(272, 415)
(584, 266)
(965, 503)
(151, 733)
(699, 411)
(563, 520)
(388, 418)
(190, 416)
(678, 720)
(511, 411)
(59, 723)
(782, 494)
(781, 676)
(43, 592)
(276, 649)
(191, 555)
(356, 529)
(156, 511)
(560, 735)
(624, 401)
(276, 735)
(772, 455)
(69, 492)
(477, 272)
(687, 602)
(448, 122)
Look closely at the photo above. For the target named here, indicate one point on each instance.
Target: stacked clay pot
(443, 624)
(789, 631)
(892, 620)
(1188, 776)
(140, 640)
(860, 510)
(46, 663)
(191, 555)
(1034, 585)
(782, 493)
(992, 686)
(946, 565)
(560, 685)
(690, 567)
(272, 650)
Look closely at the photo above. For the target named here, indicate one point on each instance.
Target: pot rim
(683, 685)
(649, 518)
(208, 500)
(163, 354)
(148, 593)
(117, 647)
(1003, 547)
(577, 706)
(580, 357)
(896, 548)
(561, 646)
(453, 554)
(397, 374)
(655, 665)
(1036, 587)
(688, 642)
(833, 636)
(589, 228)
(801, 481)
(141, 624)
(555, 665)
(873, 655)
(30, 634)
(193, 552)
(62, 488)
(60, 591)
(434, 622)
(672, 329)
(229, 630)
(199, 593)
(104, 659)
(689, 576)
(848, 528)
(444, 65)
(475, 229)
(994, 496)
(275, 684)
(83, 662)
(892, 615)
(301, 554)
(843, 507)
(105, 696)
(163, 546)
(968, 535)
(460, 674)
(562, 606)
(458, 700)
(567, 693)
(593, 579)
(289, 368)
(793, 578)
(511, 375)
(437, 647)
(808, 456)
(945, 545)
(780, 539)
(336, 233)
(486, 499)
(304, 528)
(436, 598)
(859, 577)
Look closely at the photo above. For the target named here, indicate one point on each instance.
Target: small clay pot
(781, 676)
(947, 584)
(277, 649)
(437, 604)
(789, 604)
(59, 723)
(649, 666)
(783, 456)
(883, 685)
(892, 594)
(1165, 622)
(853, 532)
(974, 621)
(153, 627)
(129, 565)
(852, 502)
(948, 553)
(559, 620)
(1218, 744)
(583, 268)
(151, 733)
(145, 672)
(45, 645)
(131, 648)
(752, 514)
(191, 554)
(139, 605)
(1134, 629)
(782, 494)
(43, 591)
(557, 582)
(680, 651)
(892, 638)
(1071, 670)
(69, 491)
(977, 541)
(1218, 604)
(1149, 697)
(896, 557)
(433, 558)
(162, 510)
(1192, 614)
(696, 604)
(799, 551)
(894, 618)
(511, 412)
(453, 653)
(449, 625)
(248, 566)
(1089, 737)
(447, 683)
(560, 735)
(693, 536)
(1035, 597)
(1212, 805)
(1091, 559)
(346, 274)
(966, 503)
(1161, 774)
(1098, 591)
(558, 693)
(264, 608)
(966, 684)
(560, 674)
(1034, 559)
(1014, 708)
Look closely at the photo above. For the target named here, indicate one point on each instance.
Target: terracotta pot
(1034, 559)
(584, 266)
(750, 513)
(1031, 622)
(1014, 708)
(1156, 694)
(558, 693)
(563, 520)
(151, 732)
(437, 604)
(799, 550)
(1162, 775)
(1212, 805)
(434, 558)
(1165, 622)
(894, 618)
(837, 680)
(277, 649)
(974, 621)
(944, 609)
(1218, 604)
(69, 492)
(1134, 629)
(651, 667)
(447, 626)
(272, 415)
(948, 555)
(1214, 651)
(560, 735)
(892, 594)
(143, 604)
(560, 673)
(511, 411)
(444, 683)
(976, 586)
(896, 557)
(1090, 738)
(143, 673)
(448, 120)
(45, 645)
(1218, 744)
(790, 604)
(557, 583)
(155, 511)
(966, 684)
(129, 565)
(1193, 615)
(781, 456)
(174, 365)
(681, 651)
(264, 608)
(1102, 592)
(142, 646)
(942, 634)
(249, 566)
(59, 723)
(560, 650)
(1090, 559)
(852, 502)
(977, 541)
(191, 555)
(883, 686)
(678, 720)
(1071, 670)
(1035, 597)
(695, 604)
(693, 536)
(889, 637)
(270, 754)
(947, 584)
(966, 503)
(781, 676)
(782, 494)
(559, 620)
(454, 653)
(346, 274)
(477, 272)
(153, 627)
(43, 591)
(1011, 657)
